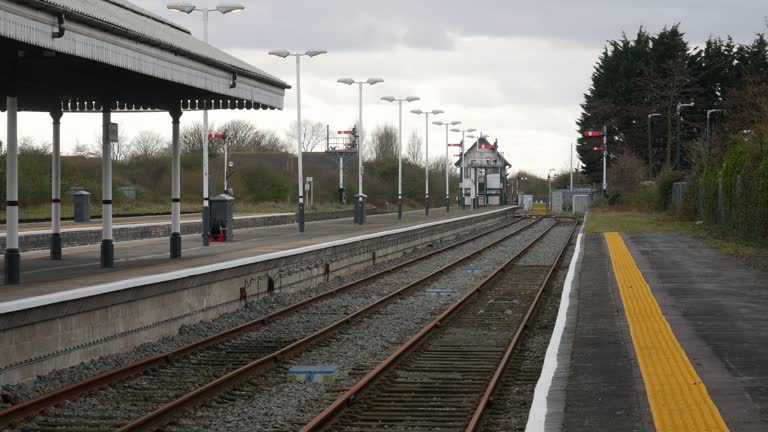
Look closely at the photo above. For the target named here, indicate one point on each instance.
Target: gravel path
(270, 403)
(257, 307)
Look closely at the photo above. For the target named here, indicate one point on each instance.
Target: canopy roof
(77, 53)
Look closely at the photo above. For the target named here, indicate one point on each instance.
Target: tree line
(653, 74)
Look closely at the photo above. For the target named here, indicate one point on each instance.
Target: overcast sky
(517, 70)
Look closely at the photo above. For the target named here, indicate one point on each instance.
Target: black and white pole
(360, 194)
(400, 159)
(56, 186)
(298, 144)
(175, 185)
(400, 148)
(426, 166)
(463, 174)
(12, 264)
(342, 201)
(605, 159)
(447, 186)
(107, 246)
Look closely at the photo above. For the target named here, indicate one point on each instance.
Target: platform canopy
(71, 55)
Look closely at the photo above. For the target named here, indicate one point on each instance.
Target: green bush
(664, 182)
(263, 183)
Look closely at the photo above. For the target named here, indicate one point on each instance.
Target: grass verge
(751, 251)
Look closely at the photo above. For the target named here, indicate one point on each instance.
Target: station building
(484, 181)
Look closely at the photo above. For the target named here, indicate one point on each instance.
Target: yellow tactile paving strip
(678, 398)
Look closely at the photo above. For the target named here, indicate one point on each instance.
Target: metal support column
(175, 185)
(12, 264)
(400, 159)
(107, 246)
(426, 166)
(56, 186)
(447, 187)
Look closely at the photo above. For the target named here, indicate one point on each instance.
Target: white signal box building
(484, 182)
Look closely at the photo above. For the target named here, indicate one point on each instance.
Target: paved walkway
(34, 227)
(80, 265)
(670, 336)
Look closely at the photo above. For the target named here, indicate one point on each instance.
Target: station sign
(348, 132)
(216, 136)
(597, 148)
(593, 133)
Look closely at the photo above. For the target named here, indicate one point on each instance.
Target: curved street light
(677, 149)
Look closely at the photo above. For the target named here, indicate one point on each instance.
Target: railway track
(444, 377)
(164, 384)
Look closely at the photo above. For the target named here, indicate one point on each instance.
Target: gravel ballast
(256, 308)
(293, 324)
(270, 403)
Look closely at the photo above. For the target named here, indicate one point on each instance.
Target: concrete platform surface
(95, 224)
(717, 309)
(134, 259)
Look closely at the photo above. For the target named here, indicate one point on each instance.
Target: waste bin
(82, 202)
(222, 221)
(359, 211)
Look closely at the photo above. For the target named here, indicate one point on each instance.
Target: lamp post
(300, 173)
(400, 148)
(650, 146)
(709, 113)
(677, 149)
(426, 154)
(447, 189)
(360, 202)
(188, 8)
(463, 165)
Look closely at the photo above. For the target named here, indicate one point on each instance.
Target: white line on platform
(88, 291)
(539, 407)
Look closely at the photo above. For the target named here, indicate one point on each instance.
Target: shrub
(664, 181)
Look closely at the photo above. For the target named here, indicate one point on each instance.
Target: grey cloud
(357, 25)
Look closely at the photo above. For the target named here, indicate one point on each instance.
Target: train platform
(44, 227)
(70, 311)
(44, 279)
(656, 331)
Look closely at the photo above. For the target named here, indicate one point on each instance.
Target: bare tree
(312, 134)
(240, 135)
(84, 150)
(414, 151)
(244, 136)
(383, 145)
(268, 140)
(191, 139)
(148, 143)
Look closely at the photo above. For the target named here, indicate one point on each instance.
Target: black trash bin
(359, 211)
(222, 220)
(82, 202)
